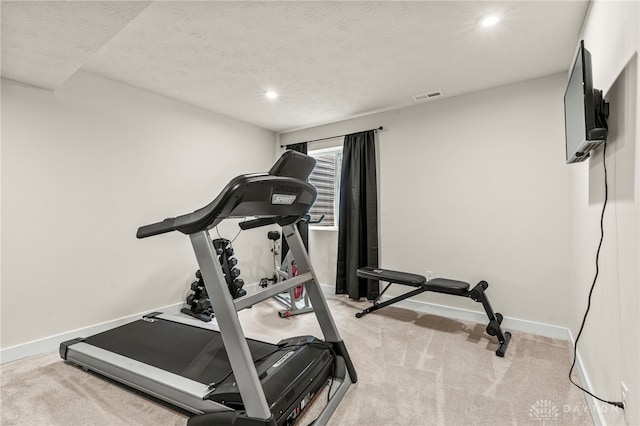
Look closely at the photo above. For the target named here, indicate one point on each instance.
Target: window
(326, 178)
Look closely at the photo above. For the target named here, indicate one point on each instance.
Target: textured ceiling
(328, 60)
(44, 43)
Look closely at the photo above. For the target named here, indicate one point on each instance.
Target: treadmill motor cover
(292, 372)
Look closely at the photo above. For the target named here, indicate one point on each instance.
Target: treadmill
(220, 376)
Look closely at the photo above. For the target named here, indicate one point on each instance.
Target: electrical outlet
(429, 275)
(625, 401)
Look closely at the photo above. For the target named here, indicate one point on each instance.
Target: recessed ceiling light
(489, 21)
(271, 95)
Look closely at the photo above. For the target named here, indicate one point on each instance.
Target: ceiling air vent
(425, 96)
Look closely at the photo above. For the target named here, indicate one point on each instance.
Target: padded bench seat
(379, 274)
(445, 285)
(437, 285)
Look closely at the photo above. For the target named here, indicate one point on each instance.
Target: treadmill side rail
(177, 390)
(337, 392)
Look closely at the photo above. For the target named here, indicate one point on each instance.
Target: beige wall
(610, 344)
(474, 187)
(82, 168)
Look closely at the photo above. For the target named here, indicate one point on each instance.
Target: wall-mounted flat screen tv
(585, 112)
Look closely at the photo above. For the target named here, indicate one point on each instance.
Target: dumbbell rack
(199, 304)
(224, 250)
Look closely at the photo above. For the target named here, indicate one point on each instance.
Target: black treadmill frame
(281, 196)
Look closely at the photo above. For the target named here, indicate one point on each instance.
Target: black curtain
(358, 216)
(303, 227)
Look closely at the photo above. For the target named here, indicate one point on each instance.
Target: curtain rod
(330, 137)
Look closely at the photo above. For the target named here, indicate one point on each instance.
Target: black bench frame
(436, 285)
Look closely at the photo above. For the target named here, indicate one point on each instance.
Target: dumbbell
(190, 299)
(232, 261)
(273, 235)
(203, 304)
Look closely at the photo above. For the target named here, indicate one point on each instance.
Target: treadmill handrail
(283, 197)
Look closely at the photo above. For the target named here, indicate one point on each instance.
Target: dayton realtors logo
(544, 410)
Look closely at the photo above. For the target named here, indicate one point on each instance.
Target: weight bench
(436, 285)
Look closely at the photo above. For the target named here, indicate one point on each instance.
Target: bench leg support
(377, 305)
(495, 319)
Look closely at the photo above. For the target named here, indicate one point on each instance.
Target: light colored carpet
(413, 369)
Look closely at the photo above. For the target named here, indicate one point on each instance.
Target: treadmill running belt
(192, 352)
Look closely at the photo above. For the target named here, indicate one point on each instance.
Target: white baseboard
(51, 344)
(508, 323)
(594, 404)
